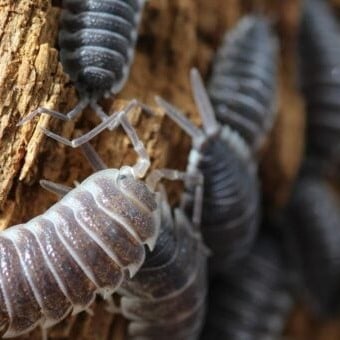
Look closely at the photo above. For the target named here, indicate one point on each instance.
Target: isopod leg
(56, 188)
(110, 123)
(195, 179)
(68, 116)
(112, 306)
(92, 156)
(44, 333)
(143, 163)
(179, 118)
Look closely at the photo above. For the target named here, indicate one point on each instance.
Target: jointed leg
(195, 179)
(111, 122)
(66, 117)
(56, 188)
(92, 156)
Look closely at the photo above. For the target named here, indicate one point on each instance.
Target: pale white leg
(56, 188)
(92, 156)
(143, 162)
(195, 179)
(179, 118)
(111, 123)
(68, 116)
(112, 306)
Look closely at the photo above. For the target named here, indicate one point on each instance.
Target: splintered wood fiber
(175, 35)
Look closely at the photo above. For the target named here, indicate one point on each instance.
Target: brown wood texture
(174, 36)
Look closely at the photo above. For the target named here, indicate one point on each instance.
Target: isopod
(319, 49)
(230, 209)
(49, 265)
(313, 233)
(166, 298)
(97, 41)
(253, 299)
(242, 85)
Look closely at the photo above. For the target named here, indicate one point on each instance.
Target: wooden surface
(175, 35)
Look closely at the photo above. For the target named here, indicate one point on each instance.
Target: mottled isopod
(253, 299)
(231, 192)
(313, 234)
(49, 265)
(242, 85)
(319, 48)
(166, 299)
(97, 41)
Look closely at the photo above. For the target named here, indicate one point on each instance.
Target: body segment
(51, 262)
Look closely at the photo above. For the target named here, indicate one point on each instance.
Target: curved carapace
(243, 81)
(97, 40)
(319, 50)
(50, 264)
(166, 299)
(253, 299)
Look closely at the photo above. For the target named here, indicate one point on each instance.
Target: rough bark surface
(175, 35)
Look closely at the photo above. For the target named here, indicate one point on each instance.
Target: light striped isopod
(97, 41)
(166, 299)
(319, 50)
(253, 299)
(242, 85)
(49, 265)
(313, 233)
(231, 193)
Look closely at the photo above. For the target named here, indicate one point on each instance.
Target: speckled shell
(319, 49)
(166, 298)
(97, 40)
(49, 265)
(252, 301)
(242, 85)
(314, 238)
(230, 212)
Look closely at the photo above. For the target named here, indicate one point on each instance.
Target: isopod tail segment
(211, 127)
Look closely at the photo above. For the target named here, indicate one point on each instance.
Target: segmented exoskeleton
(166, 299)
(253, 299)
(242, 85)
(97, 41)
(313, 233)
(319, 48)
(85, 244)
(231, 193)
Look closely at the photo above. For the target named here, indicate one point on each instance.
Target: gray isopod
(253, 299)
(313, 234)
(166, 298)
(242, 85)
(231, 192)
(97, 41)
(319, 49)
(49, 265)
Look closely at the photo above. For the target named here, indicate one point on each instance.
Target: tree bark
(174, 36)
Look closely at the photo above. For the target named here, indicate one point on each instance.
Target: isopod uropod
(242, 85)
